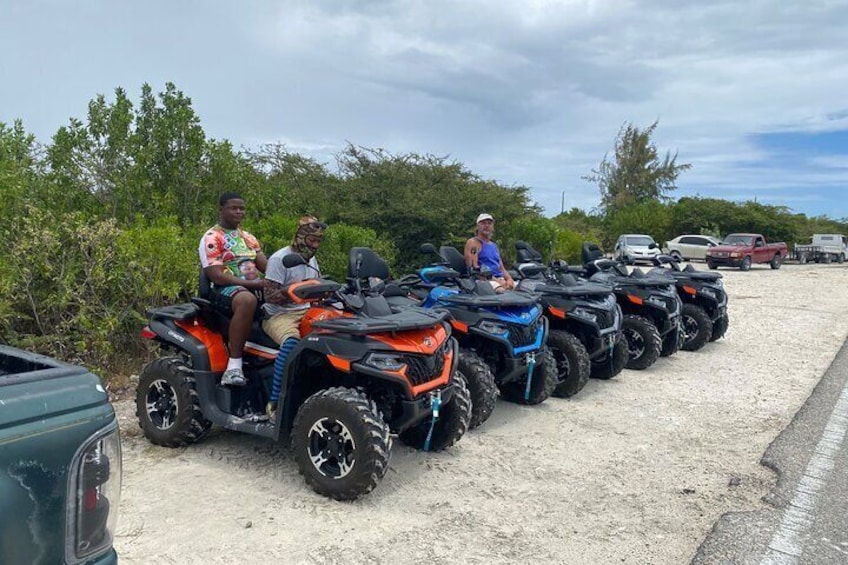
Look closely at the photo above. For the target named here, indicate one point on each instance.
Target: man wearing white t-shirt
(283, 321)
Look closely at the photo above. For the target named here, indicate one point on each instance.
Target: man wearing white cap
(481, 251)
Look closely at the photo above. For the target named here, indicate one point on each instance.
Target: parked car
(634, 248)
(823, 248)
(60, 457)
(687, 247)
(744, 249)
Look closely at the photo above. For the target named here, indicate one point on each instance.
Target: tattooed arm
(275, 293)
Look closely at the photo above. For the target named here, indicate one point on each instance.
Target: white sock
(234, 363)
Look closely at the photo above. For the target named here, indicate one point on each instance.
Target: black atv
(704, 316)
(359, 373)
(584, 317)
(650, 306)
(501, 336)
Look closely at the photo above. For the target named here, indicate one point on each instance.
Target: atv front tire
(543, 382)
(697, 327)
(612, 365)
(643, 342)
(453, 422)
(720, 328)
(167, 404)
(481, 386)
(341, 443)
(572, 363)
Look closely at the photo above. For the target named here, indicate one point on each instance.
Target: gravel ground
(632, 470)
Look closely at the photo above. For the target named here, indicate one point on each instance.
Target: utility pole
(562, 209)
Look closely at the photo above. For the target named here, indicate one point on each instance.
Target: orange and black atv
(359, 373)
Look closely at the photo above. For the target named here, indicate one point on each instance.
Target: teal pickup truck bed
(60, 463)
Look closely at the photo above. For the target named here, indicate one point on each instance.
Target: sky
(754, 94)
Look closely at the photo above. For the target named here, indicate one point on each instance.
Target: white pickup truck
(824, 248)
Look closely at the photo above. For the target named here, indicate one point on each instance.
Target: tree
(636, 174)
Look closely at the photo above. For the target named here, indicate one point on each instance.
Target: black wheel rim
(331, 448)
(562, 365)
(635, 344)
(162, 404)
(690, 328)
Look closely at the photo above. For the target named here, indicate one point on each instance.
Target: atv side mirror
(293, 260)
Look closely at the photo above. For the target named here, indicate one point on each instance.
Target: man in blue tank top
(481, 251)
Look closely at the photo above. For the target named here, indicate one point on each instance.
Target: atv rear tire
(614, 364)
(572, 363)
(481, 386)
(167, 404)
(720, 328)
(643, 342)
(341, 443)
(697, 327)
(541, 386)
(453, 422)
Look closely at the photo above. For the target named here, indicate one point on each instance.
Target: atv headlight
(657, 301)
(385, 361)
(708, 292)
(494, 328)
(585, 313)
(94, 496)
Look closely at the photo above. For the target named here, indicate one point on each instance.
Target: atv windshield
(738, 240)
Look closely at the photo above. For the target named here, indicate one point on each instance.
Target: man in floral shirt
(230, 258)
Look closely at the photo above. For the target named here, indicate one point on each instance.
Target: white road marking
(787, 544)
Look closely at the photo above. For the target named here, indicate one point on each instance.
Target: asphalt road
(805, 519)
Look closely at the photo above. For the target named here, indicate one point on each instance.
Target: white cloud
(526, 92)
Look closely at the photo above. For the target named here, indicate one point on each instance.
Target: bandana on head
(306, 226)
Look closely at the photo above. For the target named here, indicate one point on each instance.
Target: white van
(636, 247)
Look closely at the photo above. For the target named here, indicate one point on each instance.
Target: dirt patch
(632, 470)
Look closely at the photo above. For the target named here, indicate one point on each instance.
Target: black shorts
(222, 298)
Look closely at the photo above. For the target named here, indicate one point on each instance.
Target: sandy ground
(633, 470)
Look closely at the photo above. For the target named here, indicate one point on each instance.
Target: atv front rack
(396, 322)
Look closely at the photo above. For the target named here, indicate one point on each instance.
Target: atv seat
(526, 254)
(590, 252)
(454, 259)
(204, 284)
(364, 263)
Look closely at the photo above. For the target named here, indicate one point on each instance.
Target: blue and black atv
(501, 336)
(584, 317)
(650, 306)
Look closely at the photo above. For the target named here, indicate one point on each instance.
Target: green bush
(276, 232)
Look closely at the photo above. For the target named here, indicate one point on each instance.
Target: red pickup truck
(743, 249)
